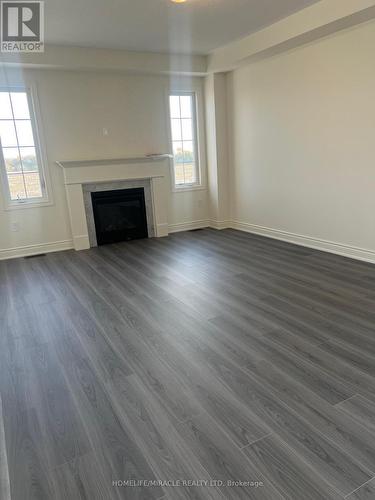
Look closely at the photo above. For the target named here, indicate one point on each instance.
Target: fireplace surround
(81, 177)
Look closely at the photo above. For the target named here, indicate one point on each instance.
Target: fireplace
(119, 215)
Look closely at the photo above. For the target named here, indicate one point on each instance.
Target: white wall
(75, 107)
(217, 149)
(302, 142)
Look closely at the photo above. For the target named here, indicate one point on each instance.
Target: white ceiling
(197, 26)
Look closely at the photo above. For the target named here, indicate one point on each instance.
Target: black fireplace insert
(119, 215)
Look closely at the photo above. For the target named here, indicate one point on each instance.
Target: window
(184, 139)
(20, 157)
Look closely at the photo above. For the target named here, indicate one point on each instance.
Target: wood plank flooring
(205, 365)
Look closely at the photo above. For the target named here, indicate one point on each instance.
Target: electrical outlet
(105, 132)
(14, 226)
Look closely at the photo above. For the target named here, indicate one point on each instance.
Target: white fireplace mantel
(77, 173)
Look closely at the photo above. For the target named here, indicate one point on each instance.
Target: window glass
(19, 158)
(183, 133)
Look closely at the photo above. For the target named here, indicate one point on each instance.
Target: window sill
(192, 187)
(21, 206)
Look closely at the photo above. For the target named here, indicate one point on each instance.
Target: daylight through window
(20, 157)
(184, 139)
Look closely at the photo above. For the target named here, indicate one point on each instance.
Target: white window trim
(36, 124)
(199, 138)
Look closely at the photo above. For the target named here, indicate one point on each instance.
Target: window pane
(187, 129)
(190, 173)
(20, 105)
(12, 160)
(7, 133)
(188, 152)
(174, 101)
(5, 107)
(186, 106)
(16, 186)
(179, 174)
(24, 133)
(176, 129)
(177, 152)
(18, 148)
(183, 139)
(33, 187)
(29, 160)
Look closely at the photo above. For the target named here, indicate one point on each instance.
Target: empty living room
(187, 250)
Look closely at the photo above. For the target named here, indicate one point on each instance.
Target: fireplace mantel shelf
(112, 161)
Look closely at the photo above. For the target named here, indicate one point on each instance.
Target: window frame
(41, 156)
(198, 157)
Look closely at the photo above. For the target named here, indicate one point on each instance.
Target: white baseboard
(81, 242)
(56, 246)
(307, 241)
(161, 230)
(188, 226)
(220, 224)
(200, 224)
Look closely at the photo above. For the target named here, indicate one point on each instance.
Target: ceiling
(197, 26)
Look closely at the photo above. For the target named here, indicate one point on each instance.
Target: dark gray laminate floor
(206, 356)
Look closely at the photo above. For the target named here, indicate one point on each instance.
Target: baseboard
(188, 226)
(307, 241)
(199, 224)
(56, 246)
(220, 224)
(81, 242)
(161, 230)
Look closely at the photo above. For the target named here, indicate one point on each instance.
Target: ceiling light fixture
(178, 1)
